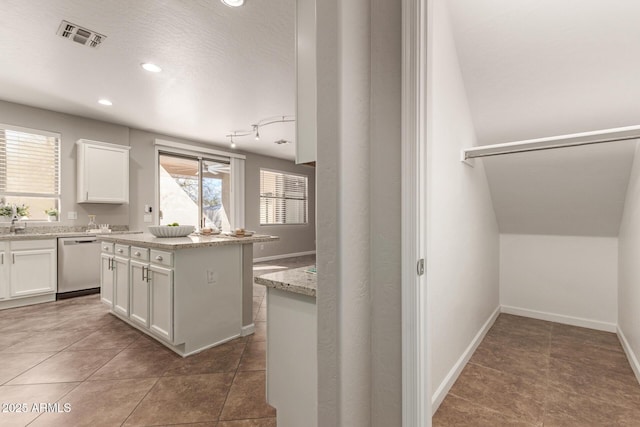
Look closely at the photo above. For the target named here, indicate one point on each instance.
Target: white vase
(53, 218)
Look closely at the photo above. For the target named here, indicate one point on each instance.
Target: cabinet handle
(113, 263)
(137, 253)
(148, 275)
(143, 268)
(2, 258)
(87, 196)
(14, 258)
(105, 247)
(159, 258)
(120, 250)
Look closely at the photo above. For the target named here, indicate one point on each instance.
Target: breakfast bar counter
(292, 345)
(190, 293)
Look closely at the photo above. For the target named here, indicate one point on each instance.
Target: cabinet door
(105, 174)
(4, 276)
(121, 286)
(139, 292)
(161, 302)
(106, 280)
(33, 272)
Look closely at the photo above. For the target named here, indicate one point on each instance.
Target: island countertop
(297, 280)
(191, 241)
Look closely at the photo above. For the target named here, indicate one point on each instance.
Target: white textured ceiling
(223, 68)
(578, 191)
(538, 68)
(541, 68)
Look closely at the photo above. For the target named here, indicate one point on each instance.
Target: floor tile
(30, 395)
(513, 396)
(7, 339)
(14, 364)
(600, 384)
(592, 337)
(261, 422)
(511, 360)
(455, 411)
(65, 367)
(247, 398)
(38, 342)
(564, 408)
(261, 315)
(183, 399)
(146, 362)
(105, 339)
(254, 357)
(224, 358)
(595, 356)
(99, 403)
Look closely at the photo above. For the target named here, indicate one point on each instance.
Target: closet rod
(562, 141)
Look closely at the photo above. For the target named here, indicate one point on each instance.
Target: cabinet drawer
(106, 247)
(32, 244)
(139, 253)
(122, 250)
(162, 258)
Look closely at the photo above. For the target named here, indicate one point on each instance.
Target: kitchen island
(292, 345)
(190, 293)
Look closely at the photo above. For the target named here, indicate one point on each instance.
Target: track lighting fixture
(255, 128)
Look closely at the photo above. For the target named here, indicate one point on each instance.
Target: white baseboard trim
(631, 356)
(560, 318)
(283, 256)
(248, 330)
(454, 373)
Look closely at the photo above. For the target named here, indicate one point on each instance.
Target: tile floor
(529, 372)
(74, 352)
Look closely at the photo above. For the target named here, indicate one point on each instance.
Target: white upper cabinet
(306, 93)
(103, 172)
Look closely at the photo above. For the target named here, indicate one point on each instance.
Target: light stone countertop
(191, 241)
(54, 235)
(296, 280)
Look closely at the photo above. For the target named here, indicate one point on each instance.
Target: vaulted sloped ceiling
(541, 68)
(537, 68)
(223, 68)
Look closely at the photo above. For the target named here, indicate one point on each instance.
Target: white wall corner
(560, 318)
(441, 392)
(631, 356)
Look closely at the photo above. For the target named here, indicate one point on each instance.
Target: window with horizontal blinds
(30, 169)
(283, 198)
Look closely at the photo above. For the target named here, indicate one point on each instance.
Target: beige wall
(294, 239)
(71, 129)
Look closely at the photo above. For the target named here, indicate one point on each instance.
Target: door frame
(416, 396)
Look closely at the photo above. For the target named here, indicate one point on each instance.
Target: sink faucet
(13, 228)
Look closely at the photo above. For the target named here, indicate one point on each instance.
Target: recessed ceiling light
(151, 67)
(105, 102)
(233, 3)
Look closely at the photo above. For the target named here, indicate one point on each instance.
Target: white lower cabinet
(139, 280)
(161, 302)
(106, 279)
(28, 268)
(121, 285)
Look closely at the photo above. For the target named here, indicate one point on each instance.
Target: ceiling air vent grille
(80, 35)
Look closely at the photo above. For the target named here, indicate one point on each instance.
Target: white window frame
(49, 134)
(306, 177)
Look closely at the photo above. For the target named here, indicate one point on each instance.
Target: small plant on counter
(5, 210)
(51, 211)
(22, 210)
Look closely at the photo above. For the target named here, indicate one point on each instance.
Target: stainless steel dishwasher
(78, 266)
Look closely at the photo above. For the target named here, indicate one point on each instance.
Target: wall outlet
(148, 218)
(212, 277)
(72, 215)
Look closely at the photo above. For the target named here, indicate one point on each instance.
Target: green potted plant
(52, 214)
(22, 211)
(5, 213)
